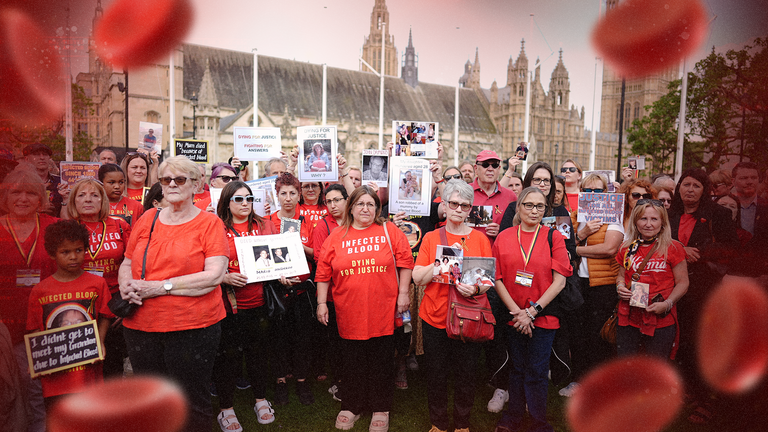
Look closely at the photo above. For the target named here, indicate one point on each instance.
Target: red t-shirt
(434, 305)
(573, 201)
(107, 248)
(500, 199)
(203, 203)
(509, 260)
(320, 233)
(251, 295)
(85, 298)
(201, 196)
(176, 250)
(685, 229)
(127, 209)
(14, 268)
(135, 194)
(363, 271)
(661, 280)
(305, 229)
(313, 213)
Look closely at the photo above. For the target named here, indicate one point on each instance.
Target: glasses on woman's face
(599, 190)
(226, 179)
(334, 201)
(361, 205)
(308, 186)
(566, 169)
(239, 199)
(165, 181)
(531, 206)
(452, 177)
(637, 196)
(453, 205)
(538, 181)
(654, 202)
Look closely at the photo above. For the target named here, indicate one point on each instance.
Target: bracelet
(344, 175)
(671, 303)
(507, 176)
(439, 181)
(319, 303)
(477, 290)
(527, 312)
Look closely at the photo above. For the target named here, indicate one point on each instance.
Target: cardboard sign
(195, 150)
(608, 208)
(63, 348)
(71, 172)
(257, 143)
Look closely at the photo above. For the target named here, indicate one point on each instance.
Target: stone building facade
(371, 51)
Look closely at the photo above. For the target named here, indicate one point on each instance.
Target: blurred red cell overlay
(733, 336)
(641, 37)
(627, 394)
(122, 405)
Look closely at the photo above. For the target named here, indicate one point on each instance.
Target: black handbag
(273, 298)
(569, 298)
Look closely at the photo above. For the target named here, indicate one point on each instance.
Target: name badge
(27, 278)
(524, 278)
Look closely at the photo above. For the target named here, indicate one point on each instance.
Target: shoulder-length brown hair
(224, 212)
(72, 209)
(354, 197)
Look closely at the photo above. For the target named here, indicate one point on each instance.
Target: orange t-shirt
(135, 194)
(251, 295)
(176, 250)
(127, 209)
(203, 203)
(364, 278)
(434, 306)
(201, 196)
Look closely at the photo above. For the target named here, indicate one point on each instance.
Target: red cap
(487, 155)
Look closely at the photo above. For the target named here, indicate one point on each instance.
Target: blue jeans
(528, 382)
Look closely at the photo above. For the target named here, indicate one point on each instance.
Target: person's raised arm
(606, 249)
(514, 161)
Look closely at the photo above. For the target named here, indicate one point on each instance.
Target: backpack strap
(443, 236)
(327, 227)
(549, 240)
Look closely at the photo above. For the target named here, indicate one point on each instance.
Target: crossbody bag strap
(443, 236)
(642, 265)
(389, 242)
(152, 228)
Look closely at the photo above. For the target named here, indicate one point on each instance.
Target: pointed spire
(477, 56)
(410, 38)
(207, 93)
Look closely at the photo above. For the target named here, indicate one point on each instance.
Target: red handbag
(469, 319)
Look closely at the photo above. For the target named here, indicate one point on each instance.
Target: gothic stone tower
(410, 72)
(372, 45)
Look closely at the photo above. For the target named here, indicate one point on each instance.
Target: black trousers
(293, 333)
(186, 357)
(443, 354)
(114, 345)
(369, 379)
(587, 347)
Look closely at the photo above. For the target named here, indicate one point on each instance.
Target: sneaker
(305, 392)
(496, 404)
(411, 363)
(569, 390)
(243, 384)
(335, 392)
(281, 394)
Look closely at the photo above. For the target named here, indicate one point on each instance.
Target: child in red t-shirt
(70, 296)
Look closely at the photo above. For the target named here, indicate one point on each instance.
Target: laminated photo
(151, 136)
(317, 153)
(479, 271)
(410, 186)
(260, 259)
(415, 138)
(257, 143)
(375, 167)
(447, 266)
(480, 216)
(636, 162)
(266, 184)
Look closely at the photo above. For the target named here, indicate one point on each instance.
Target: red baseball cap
(487, 155)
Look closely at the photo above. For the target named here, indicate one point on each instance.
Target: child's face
(70, 255)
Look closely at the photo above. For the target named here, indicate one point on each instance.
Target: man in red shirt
(488, 191)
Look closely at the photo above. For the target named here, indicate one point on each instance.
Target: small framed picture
(288, 225)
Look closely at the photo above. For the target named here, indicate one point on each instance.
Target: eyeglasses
(486, 164)
(538, 181)
(226, 179)
(666, 200)
(654, 202)
(531, 206)
(599, 190)
(239, 199)
(453, 205)
(361, 205)
(636, 195)
(452, 177)
(566, 169)
(335, 201)
(310, 186)
(165, 181)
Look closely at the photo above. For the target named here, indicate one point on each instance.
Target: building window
(559, 99)
(97, 131)
(82, 127)
(539, 147)
(626, 116)
(98, 110)
(558, 128)
(521, 91)
(637, 111)
(618, 115)
(152, 116)
(541, 126)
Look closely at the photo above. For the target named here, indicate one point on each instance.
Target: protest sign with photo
(608, 175)
(375, 167)
(260, 261)
(410, 186)
(522, 151)
(317, 153)
(257, 143)
(636, 162)
(412, 138)
(480, 216)
(447, 266)
(62, 348)
(267, 184)
(194, 150)
(606, 207)
(71, 172)
(560, 223)
(479, 271)
(150, 136)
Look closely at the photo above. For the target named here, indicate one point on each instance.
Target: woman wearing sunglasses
(572, 172)
(442, 354)
(221, 174)
(245, 307)
(140, 172)
(635, 189)
(175, 330)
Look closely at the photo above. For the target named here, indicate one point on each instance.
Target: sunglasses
(239, 199)
(566, 169)
(226, 179)
(486, 164)
(636, 195)
(165, 181)
(452, 177)
(593, 190)
(654, 202)
(453, 205)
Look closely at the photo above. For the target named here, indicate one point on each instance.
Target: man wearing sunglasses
(488, 191)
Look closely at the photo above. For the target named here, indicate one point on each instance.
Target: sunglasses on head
(566, 169)
(654, 202)
(636, 195)
(452, 177)
(165, 181)
(239, 199)
(226, 179)
(486, 164)
(593, 190)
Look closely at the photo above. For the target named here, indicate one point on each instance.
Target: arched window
(618, 115)
(637, 111)
(559, 99)
(521, 91)
(627, 109)
(152, 116)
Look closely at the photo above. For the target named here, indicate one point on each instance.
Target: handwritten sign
(257, 143)
(605, 207)
(63, 348)
(195, 150)
(71, 172)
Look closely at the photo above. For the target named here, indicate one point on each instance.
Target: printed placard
(260, 259)
(447, 266)
(375, 167)
(215, 196)
(410, 186)
(288, 225)
(415, 138)
(195, 150)
(636, 162)
(259, 199)
(560, 223)
(609, 175)
(63, 348)
(71, 172)
(151, 136)
(317, 153)
(267, 184)
(257, 143)
(605, 207)
(479, 271)
(480, 216)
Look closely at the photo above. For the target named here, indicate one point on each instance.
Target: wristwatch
(537, 307)
(168, 286)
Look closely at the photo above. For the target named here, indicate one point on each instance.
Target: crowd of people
(158, 271)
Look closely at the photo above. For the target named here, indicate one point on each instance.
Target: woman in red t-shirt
(664, 278)
(572, 172)
(113, 179)
(529, 275)
(312, 202)
(370, 262)
(245, 310)
(140, 173)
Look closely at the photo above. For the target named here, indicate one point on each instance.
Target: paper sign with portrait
(410, 186)
(317, 153)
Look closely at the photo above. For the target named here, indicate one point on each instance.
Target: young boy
(70, 296)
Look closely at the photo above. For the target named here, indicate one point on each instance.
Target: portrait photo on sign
(447, 266)
(317, 155)
(479, 271)
(262, 256)
(636, 162)
(375, 168)
(288, 225)
(280, 254)
(151, 136)
(561, 223)
(410, 182)
(522, 151)
(480, 216)
(412, 138)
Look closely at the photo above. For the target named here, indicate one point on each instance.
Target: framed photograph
(479, 271)
(317, 153)
(151, 136)
(376, 167)
(480, 216)
(447, 266)
(288, 225)
(411, 186)
(415, 138)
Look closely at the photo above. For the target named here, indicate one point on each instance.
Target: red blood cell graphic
(31, 73)
(733, 336)
(640, 37)
(635, 393)
(122, 405)
(137, 32)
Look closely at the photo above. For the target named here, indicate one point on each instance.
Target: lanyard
(28, 257)
(101, 243)
(527, 256)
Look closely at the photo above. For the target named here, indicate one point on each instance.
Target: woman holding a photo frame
(441, 352)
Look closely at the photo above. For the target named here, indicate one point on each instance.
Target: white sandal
(260, 412)
(227, 418)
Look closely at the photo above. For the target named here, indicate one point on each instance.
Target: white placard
(376, 167)
(215, 195)
(267, 184)
(410, 186)
(257, 143)
(317, 153)
(260, 259)
(415, 138)
(259, 199)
